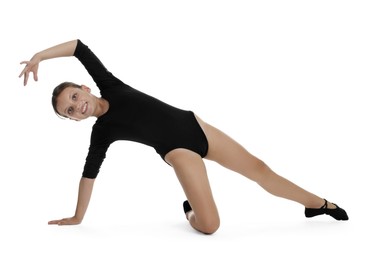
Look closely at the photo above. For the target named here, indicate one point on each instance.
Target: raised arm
(85, 190)
(65, 49)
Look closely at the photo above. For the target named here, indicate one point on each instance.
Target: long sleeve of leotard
(94, 160)
(104, 80)
(99, 73)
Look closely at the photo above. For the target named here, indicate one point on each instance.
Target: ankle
(316, 204)
(319, 203)
(330, 205)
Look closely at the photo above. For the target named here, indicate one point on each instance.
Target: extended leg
(232, 155)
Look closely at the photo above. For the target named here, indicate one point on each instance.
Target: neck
(102, 107)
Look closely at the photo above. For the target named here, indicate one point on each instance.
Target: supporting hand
(65, 221)
(84, 195)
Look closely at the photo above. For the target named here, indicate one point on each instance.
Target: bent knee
(210, 226)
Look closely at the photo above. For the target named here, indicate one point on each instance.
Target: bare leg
(227, 152)
(191, 172)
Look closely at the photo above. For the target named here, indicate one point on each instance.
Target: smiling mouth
(84, 108)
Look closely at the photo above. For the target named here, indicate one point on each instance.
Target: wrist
(38, 57)
(78, 218)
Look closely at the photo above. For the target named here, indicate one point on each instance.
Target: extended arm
(84, 195)
(61, 50)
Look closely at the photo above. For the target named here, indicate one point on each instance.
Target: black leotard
(135, 116)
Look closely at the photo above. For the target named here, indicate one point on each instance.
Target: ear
(86, 88)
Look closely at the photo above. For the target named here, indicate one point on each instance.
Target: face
(76, 103)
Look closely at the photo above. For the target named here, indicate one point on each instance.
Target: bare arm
(84, 194)
(61, 50)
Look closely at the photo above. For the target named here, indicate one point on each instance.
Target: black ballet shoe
(187, 206)
(337, 213)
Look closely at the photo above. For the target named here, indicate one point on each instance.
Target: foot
(329, 209)
(187, 209)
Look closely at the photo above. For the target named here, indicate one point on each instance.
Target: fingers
(60, 222)
(25, 69)
(26, 78)
(30, 67)
(25, 72)
(64, 221)
(35, 76)
(54, 222)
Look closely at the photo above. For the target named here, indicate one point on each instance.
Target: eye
(70, 110)
(74, 97)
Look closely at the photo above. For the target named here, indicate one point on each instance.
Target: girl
(180, 137)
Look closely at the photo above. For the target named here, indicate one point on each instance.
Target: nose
(78, 107)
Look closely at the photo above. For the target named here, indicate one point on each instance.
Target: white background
(293, 81)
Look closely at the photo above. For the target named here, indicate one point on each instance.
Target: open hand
(31, 66)
(65, 221)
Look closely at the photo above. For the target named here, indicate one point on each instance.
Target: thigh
(229, 153)
(191, 172)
